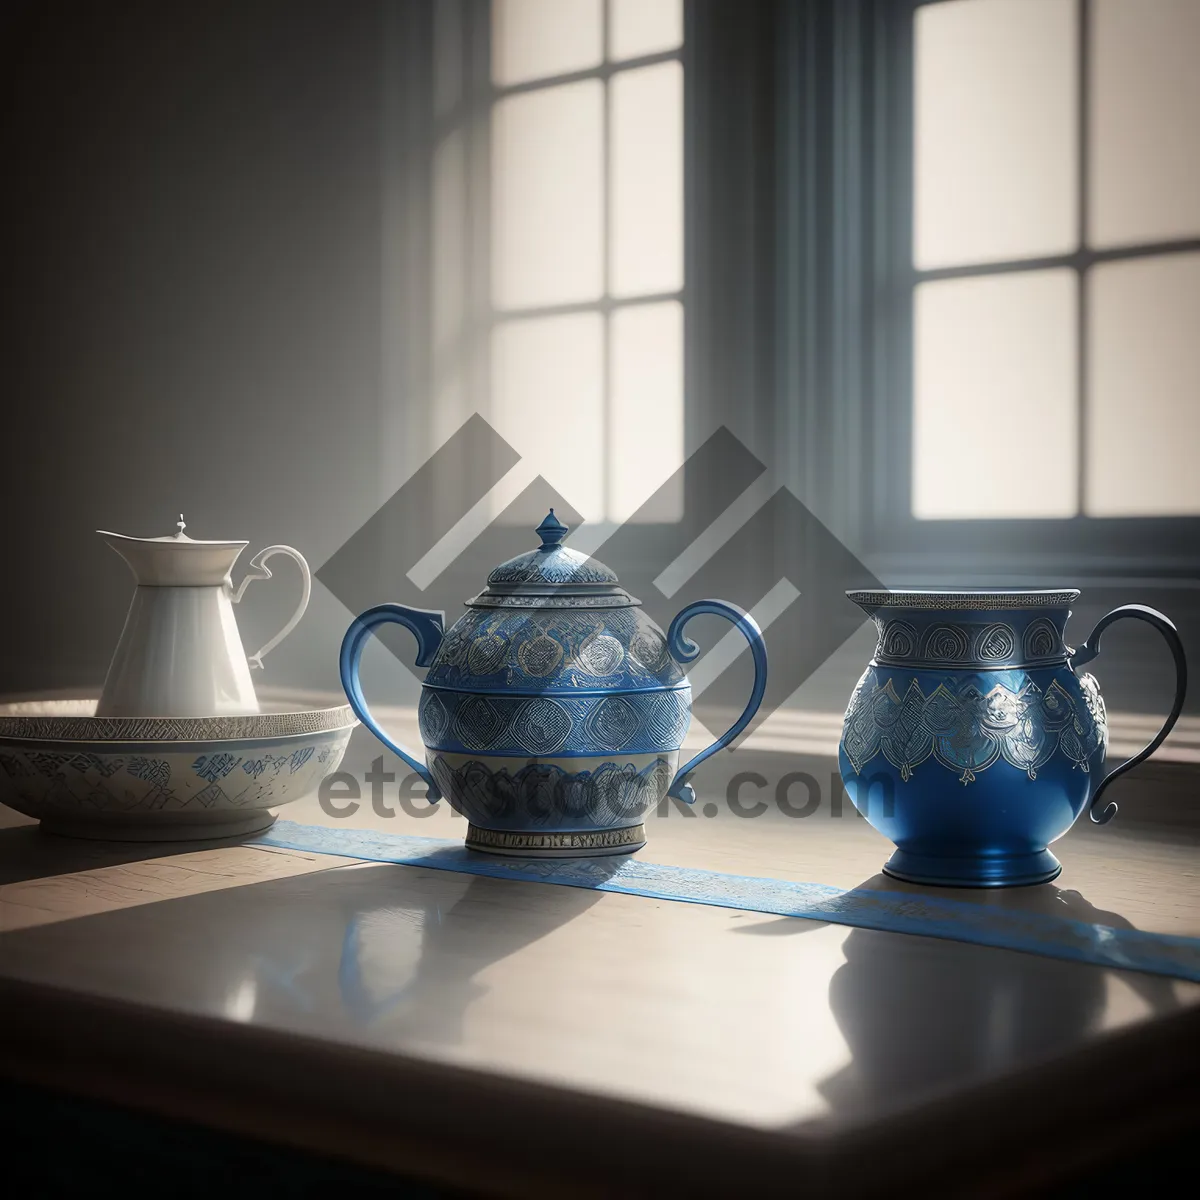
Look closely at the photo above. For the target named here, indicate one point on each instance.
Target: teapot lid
(553, 576)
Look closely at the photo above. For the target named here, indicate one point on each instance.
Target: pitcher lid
(175, 560)
(176, 539)
(552, 576)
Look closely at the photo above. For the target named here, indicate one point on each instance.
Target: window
(1056, 259)
(572, 215)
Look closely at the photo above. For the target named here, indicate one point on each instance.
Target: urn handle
(258, 569)
(684, 650)
(428, 628)
(1091, 648)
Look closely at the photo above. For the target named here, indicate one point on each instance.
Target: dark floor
(60, 1146)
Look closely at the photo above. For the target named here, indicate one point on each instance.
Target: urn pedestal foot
(1004, 870)
(586, 844)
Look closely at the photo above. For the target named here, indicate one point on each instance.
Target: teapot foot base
(592, 843)
(1007, 870)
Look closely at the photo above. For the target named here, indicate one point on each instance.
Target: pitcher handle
(1091, 648)
(428, 627)
(684, 650)
(259, 570)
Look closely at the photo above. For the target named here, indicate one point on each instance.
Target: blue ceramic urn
(970, 741)
(554, 710)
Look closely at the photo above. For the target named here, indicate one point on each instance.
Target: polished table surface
(519, 1037)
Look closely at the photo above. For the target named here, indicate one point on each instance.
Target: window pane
(995, 131)
(646, 417)
(994, 397)
(547, 401)
(647, 180)
(1145, 165)
(638, 27)
(547, 196)
(1143, 415)
(532, 39)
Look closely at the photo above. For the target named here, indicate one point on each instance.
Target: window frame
(1034, 550)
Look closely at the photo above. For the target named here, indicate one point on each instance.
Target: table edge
(465, 1128)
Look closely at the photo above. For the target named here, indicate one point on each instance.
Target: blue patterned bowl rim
(71, 724)
(976, 601)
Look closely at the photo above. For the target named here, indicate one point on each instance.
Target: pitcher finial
(182, 526)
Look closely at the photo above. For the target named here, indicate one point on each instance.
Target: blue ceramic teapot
(971, 743)
(554, 710)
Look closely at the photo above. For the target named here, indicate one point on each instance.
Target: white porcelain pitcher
(180, 653)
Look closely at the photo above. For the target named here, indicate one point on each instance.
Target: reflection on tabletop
(897, 998)
(428, 961)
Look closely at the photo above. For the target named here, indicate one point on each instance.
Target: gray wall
(190, 307)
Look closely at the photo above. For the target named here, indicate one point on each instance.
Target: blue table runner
(929, 915)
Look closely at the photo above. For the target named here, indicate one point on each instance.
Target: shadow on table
(27, 853)
(437, 975)
(357, 947)
(920, 1013)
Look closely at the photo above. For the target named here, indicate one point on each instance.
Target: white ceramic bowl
(165, 779)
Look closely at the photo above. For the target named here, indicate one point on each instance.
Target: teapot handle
(428, 628)
(684, 650)
(1091, 648)
(259, 570)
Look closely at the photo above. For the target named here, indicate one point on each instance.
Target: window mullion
(606, 268)
(1082, 349)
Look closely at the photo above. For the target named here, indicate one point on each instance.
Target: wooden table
(521, 1039)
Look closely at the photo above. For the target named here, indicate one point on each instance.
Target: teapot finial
(551, 531)
(182, 525)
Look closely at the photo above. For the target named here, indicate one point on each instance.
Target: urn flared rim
(964, 599)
